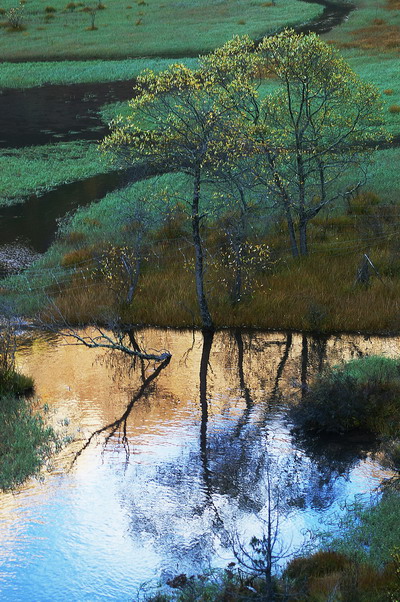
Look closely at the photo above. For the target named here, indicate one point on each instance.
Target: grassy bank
(26, 442)
(36, 169)
(137, 29)
(32, 74)
(373, 27)
(317, 292)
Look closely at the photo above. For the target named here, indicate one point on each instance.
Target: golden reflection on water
(90, 388)
(197, 437)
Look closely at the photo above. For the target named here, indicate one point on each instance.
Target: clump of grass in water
(362, 394)
(26, 442)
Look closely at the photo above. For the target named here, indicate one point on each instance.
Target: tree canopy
(301, 143)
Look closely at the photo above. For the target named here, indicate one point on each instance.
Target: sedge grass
(32, 74)
(373, 26)
(26, 442)
(316, 293)
(40, 168)
(163, 28)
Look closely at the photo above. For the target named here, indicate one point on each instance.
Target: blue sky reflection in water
(200, 449)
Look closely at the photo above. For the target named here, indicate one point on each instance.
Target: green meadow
(37, 169)
(124, 29)
(32, 74)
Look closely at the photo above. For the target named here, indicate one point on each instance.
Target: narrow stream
(201, 440)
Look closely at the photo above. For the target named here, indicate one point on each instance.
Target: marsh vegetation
(256, 189)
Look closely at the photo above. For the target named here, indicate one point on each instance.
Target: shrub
(15, 19)
(362, 394)
(50, 9)
(316, 565)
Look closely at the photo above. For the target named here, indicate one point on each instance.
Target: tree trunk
(206, 320)
(292, 233)
(303, 236)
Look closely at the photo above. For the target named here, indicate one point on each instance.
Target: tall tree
(313, 132)
(179, 122)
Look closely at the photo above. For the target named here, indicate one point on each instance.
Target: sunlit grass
(32, 74)
(157, 28)
(35, 169)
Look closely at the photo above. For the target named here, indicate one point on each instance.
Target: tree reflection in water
(190, 503)
(119, 425)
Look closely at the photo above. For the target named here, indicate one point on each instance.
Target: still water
(182, 465)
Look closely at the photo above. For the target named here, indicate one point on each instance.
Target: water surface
(184, 471)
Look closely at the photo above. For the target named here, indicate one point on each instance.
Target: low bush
(361, 394)
(15, 383)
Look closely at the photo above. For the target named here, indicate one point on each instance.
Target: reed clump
(363, 394)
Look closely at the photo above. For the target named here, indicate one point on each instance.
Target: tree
(311, 136)
(180, 121)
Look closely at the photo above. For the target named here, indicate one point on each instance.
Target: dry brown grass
(378, 35)
(392, 5)
(77, 257)
(82, 302)
(315, 293)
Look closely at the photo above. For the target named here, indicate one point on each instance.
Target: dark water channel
(181, 463)
(54, 113)
(34, 222)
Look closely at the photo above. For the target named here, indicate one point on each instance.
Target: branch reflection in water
(137, 358)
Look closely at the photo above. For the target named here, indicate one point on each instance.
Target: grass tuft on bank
(363, 394)
(26, 442)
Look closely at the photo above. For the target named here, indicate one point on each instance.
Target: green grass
(361, 394)
(383, 71)
(26, 442)
(35, 169)
(379, 38)
(154, 28)
(370, 534)
(383, 176)
(32, 74)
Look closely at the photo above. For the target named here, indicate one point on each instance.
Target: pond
(183, 468)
